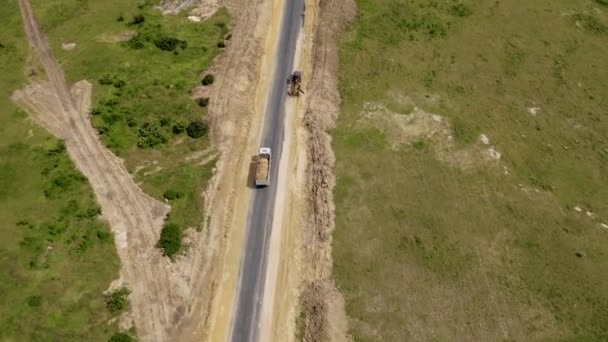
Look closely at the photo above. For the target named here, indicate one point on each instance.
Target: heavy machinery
(262, 168)
(295, 81)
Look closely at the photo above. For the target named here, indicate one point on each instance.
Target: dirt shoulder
(322, 305)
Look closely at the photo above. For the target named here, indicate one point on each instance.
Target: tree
(117, 300)
(208, 80)
(170, 239)
(151, 135)
(196, 129)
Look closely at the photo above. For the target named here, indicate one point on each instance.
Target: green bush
(118, 300)
(136, 42)
(208, 80)
(179, 127)
(172, 194)
(167, 43)
(170, 239)
(138, 19)
(196, 129)
(106, 79)
(121, 337)
(151, 135)
(104, 236)
(202, 101)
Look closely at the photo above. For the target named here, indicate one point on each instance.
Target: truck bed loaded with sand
(262, 169)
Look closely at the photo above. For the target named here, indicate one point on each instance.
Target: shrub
(117, 300)
(179, 127)
(121, 337)
(172, 194)
(138, 19)
(136, 42)
(167, 43)
(120, 19)
(170, 239)
(34, 301)
(106, 79)
(202, 101)
(208, 80)
(103, 236)
(461, 10)
(221, 44)
(196, 129)
(118, 83)
(151, 135)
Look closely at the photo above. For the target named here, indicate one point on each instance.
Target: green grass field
(434, 242)
(57, 255)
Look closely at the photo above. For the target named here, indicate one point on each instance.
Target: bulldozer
(295, 81)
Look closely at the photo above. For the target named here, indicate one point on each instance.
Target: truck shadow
(251, 175)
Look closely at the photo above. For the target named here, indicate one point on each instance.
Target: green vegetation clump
(152, 134)
(170, 239)
(196, 129)
(172, 194)
(487, 250)
(121, 337)
(117, 301)
(202, 101)
(208, 80)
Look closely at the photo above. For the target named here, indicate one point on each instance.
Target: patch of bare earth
(434, 130)
(322, 305)
(199, 8)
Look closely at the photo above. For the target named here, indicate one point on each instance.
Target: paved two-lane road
(245, 322)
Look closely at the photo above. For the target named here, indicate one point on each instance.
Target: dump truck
(295, 81)
(262, 168)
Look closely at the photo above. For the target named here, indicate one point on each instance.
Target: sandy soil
(199, 8)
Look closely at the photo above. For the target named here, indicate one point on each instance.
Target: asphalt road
(245, 322)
